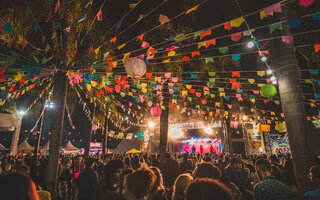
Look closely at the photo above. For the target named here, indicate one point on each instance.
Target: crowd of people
(143, 177)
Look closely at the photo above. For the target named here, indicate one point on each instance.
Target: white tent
(2, 148)
(45, 147)
(25, 146)
(69, 148)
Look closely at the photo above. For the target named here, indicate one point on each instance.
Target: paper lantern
(155, 111)
(268, 91)
(136, 67)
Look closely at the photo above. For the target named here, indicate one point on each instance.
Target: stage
(209, 145)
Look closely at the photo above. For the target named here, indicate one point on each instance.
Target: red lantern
(155, 111)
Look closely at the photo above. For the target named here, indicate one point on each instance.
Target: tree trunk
(105, 136)
(288, 74)
(89, 134)
(164, 124)
(36, 148)
(59, 99)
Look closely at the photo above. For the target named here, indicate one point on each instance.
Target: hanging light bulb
(273, 78)
(263, 59)
(269, 71)
(274, 82)
(250, 44)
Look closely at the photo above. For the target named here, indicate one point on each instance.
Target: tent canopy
(2, 148)
(25, 146)
(69, 148)
(133, 151)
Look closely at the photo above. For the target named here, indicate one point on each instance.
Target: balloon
(136, 67)
(268, 91)
(155, 111)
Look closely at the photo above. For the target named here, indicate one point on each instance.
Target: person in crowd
(237, 174)
(157, 191)
(170, 170)
(211, 149)
(180, 186)
(64, 181)
(186, 164)
(110, 182)
(123, 175)
(135, 163)
(314, 176)
(269, 188)
(112, 195)
(138, 184)
(16, 186)
(88, 181)
(76, 169)
(207, 189)
(44, 195)
(206, 170)
(22, 169)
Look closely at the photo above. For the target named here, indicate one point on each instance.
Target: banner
(279, 143)
(255, 139)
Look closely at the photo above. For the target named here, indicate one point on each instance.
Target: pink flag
(239, 97)
(49, 17)
(175, 79)
(141, 56)
(263, 52)
(57, 6)
(305, 3)
(130, 104)
(171, 48)
(287, 39)
(274, 8)
(99, 15)
(150, 57)
(163, 19)
(170, 85)
(167, 75)
(145, 45)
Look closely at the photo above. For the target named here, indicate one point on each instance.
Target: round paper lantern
(136, 67)
(268, 91)
(155, 111)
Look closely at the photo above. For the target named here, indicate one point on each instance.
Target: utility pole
(36, 148)
(164, 123)
(105, 135)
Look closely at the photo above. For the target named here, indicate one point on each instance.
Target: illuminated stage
(208, 144)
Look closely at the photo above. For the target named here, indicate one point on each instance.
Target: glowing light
(273, 78)
(21, 113)
(250, 44)
(176, 133)
(12, 128)
(127, 118)
(261, 149)
(151, 124)
(208, 130)
(269, 71)
(274, 82)
(263, 59)
(244, 117)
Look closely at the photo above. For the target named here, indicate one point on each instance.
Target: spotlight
(263, 59)
(127, 118)
(176, 133)
(21, 113)
(208, 130)
(273, 78)
(250, 44)
(244, 117)
(269, 71)
(151, 124)
(274, 82)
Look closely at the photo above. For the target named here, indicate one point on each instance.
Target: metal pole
(36, 148)
(15, 137)
(105, 137)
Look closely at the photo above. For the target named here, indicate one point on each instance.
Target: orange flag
(113, 40)
(205, 33)
(228, 26)
(316, 47)
(195, 53)
(140, 37)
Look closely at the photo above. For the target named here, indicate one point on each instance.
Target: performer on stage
(193, 149)
(211, 149)
(201, 149)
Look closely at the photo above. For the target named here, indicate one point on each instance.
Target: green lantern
(268, 91)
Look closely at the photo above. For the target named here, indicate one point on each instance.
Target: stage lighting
(208, 130)
(151, 124)
(244, 117)
(176, 133)
(21, 113)
(250, 44)
(269, 71)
